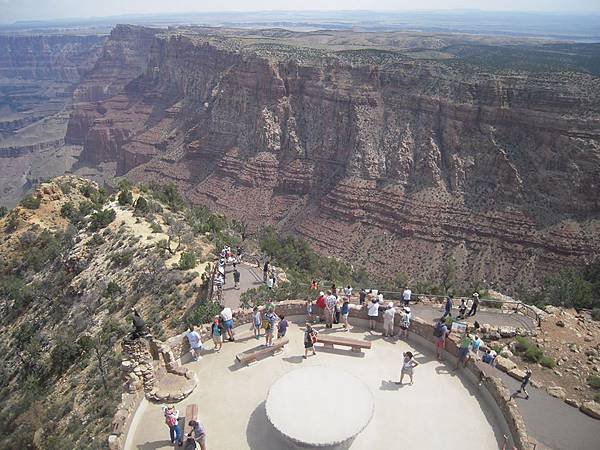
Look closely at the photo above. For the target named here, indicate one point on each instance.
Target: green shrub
(548, 362)
(155, 227)
(101, 219)
(125, 198)
(31, 202)
(594, 381)
(596, 314)
(204, 313)
(597, 397)
(122, 259)
(141, 206)
(187, 260)
(112, 290)
(522, 344)
(533, 354)
(168, 194)
(3, 211)
(12, 222)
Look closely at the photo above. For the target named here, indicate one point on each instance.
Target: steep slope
(397, 155)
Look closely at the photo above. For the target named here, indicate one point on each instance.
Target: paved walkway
(436, 412)
(250, 277)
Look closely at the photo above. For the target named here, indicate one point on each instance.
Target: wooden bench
(252, 356)
(355, 344)
(191, 413)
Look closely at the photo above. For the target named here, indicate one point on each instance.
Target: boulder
(517, 374)
(492, 336)
(557, 391)
(551, 309)
(560, 323)
(507, 332)
(591, 408)
(506, 353)
(572, 402)
(504, 364)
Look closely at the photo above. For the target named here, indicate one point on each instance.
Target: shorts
(308, 344)
(407, 371)
(229, 324)
(217, 339)
(440, 343)
(197, 349)
(256, 326)
(345, 315)
(281, 333)
(462, 352)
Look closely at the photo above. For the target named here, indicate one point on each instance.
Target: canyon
(396, 151)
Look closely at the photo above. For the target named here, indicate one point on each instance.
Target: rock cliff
(393, 159)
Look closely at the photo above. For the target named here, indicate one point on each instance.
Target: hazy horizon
(33, 10)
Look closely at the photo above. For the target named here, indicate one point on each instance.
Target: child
(256, 321)
(282, 327)
(525, 382)
(270, 319)
(407, 367)
(310, 337)
(462, 309)
(216, 331)
(405, 322)
(171, 418)
(309, 310)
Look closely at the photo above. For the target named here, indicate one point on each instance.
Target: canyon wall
(397, 166)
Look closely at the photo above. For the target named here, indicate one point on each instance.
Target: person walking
(227, 316)
(270, 283)
(362, 295)
(525, 382)
(448, 307)
(309, 310)
(266, 271)
(330, 302)
(345, 310)
(463, 350)
(405, 322)
(408, 366)
(216, 331)
(475, 346)
(373, 312)
(440, 332)
(282, 327)
(199, 433)
(474, 306)
(348, 292)
(236, 278)
(195, 341)
(256, 322)
(388, 320)
(270, 319)
(171, 419)
(310, 337)
(462, 309)
(406, 296)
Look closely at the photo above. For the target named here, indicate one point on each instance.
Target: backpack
(437, 330)
(170, 420)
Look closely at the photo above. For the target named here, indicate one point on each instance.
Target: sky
(13, 10)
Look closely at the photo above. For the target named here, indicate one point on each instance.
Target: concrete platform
(331, 422)
(440, 410)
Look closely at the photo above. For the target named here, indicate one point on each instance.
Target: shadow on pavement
(389, 385)
(156, 444)
(293, 359)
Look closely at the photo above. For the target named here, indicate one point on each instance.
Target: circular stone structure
(319, 422)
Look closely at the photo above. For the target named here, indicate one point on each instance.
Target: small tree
(31, 202)
(125, 198)
(187, 260)
(100, 219)
(178, 234)
(141, 206)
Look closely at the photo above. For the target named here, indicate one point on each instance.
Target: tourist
(475, 345)
(270, 282)
(270, 319)
(195, 343)
(373, 312)
(380, 297)
(448, 307)
(309, 310)
(487, 357)
(310, 337)
(330, 303)
(256, 322)
(462, 308)
(236, 278)
(199, 433)
(313, 284)
(463, 350)
(474, 306)
(345, 311)
(348, 292)
(282, 327)
(274, 278)
(321, 305)
(362, 295)
(171, 419)
(388, 320)
(338, 309)
(440, 332)
(227, 316)
(139, 326)
(406, 296)
(266, 271)
(525, 382)
(408, 365)
(334, 290)
(405, 322)
(216, 331)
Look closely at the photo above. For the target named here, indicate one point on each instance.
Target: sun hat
(390, 304)
(475, 294)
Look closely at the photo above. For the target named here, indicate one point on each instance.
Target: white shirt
(380, 297)
(348, 291)
(330, 301)
(389, 313)
(406, 294)
(270, 282)
(226, 314)
(374, 309)
(194, 339)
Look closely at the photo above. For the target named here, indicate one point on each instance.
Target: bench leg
(277, 351)
(356, 349)
(328, 345)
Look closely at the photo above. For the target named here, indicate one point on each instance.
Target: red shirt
(321, 301)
